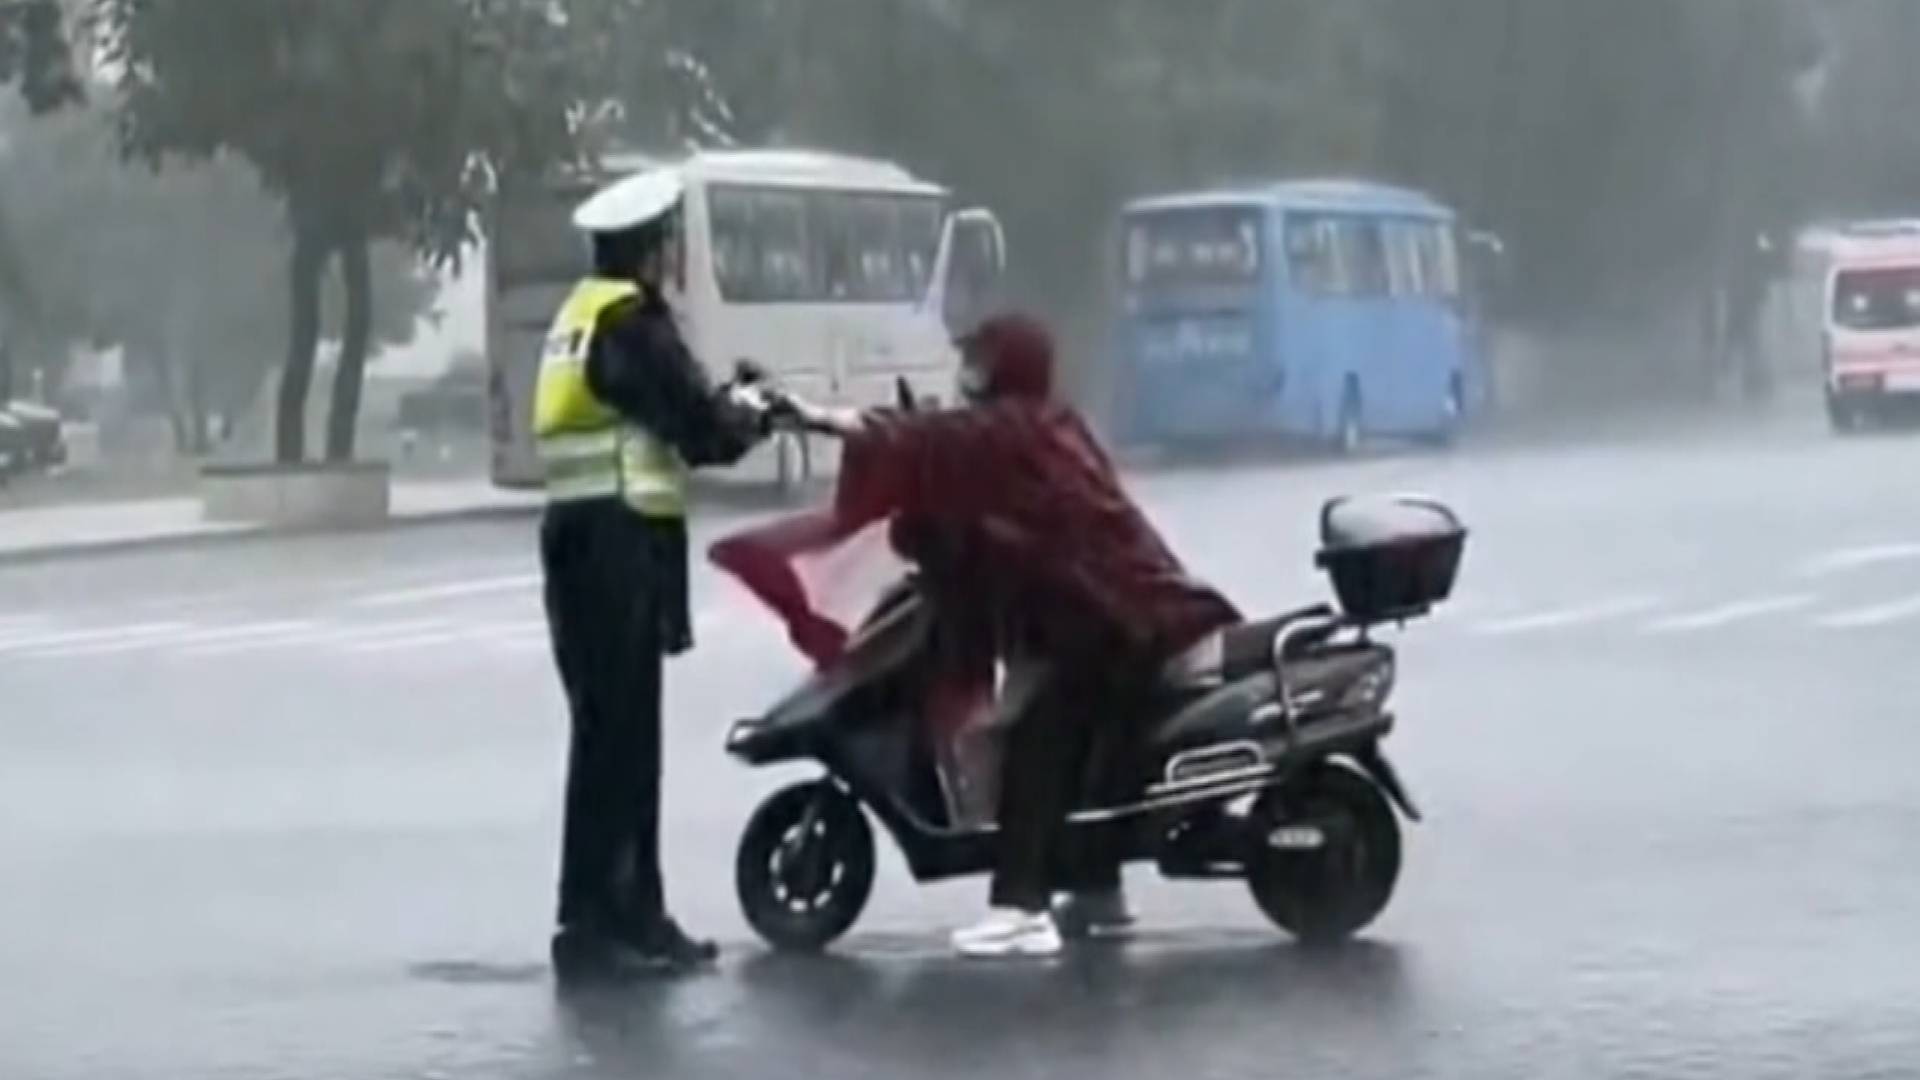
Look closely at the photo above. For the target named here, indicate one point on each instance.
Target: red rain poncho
(1016, 515)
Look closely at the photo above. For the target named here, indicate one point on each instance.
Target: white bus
(839, 275)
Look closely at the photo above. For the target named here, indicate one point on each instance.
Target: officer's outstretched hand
(823, 419)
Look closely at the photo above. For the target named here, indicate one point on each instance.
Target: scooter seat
(1234, 652)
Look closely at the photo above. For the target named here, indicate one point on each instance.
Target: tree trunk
(308, 261)
(180, 365)
(160, 357)
(196, 387)
(355, 341)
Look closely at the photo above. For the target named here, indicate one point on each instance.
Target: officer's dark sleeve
(641, 367)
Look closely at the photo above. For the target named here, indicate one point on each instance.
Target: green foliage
(1869, 156)
(369, 119)
(35, 55)
(179, 267)
(1619, 147)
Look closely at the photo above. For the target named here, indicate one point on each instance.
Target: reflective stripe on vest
(588, 451)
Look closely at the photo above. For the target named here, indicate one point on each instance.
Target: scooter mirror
(903, 394)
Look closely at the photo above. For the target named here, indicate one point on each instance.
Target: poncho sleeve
(937, 465)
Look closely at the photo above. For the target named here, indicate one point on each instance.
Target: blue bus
(1323, 310)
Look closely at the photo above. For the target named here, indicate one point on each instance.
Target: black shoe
(583, 957)
(670, 946)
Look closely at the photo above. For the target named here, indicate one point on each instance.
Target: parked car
(40, 443)
(13, 446)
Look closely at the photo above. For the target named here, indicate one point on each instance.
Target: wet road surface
(289, 810)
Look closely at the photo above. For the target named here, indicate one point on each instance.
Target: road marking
(75, 637)
(517, 646)
(1855, 558)
(337, 585)
(518, 629)
(1737, 611)
(417, 640)
(1562, 618)
(448, 591)
(208, 636)
(1871, 615)
(321, 635)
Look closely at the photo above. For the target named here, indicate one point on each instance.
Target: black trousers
(602, 608)
(1075, 744)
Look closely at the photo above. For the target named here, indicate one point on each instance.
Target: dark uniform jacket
(639, 365)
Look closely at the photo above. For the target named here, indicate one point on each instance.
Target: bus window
(784, 246)
(919, 225)
(853, 250)
(1421, 259)
(1313, 260)
(760, 245)
(1440, 259)
(1363, 256)
(973, 272)
(876, 248)
(1212, 246)
(1403, 241)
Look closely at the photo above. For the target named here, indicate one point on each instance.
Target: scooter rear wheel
(805, 867)
(1326, 893)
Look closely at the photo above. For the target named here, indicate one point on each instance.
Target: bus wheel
(1350, 432)
(1844, 416)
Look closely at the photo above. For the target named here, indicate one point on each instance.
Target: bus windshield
(1878, 299)
(1202, 246)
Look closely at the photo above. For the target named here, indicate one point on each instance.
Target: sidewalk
(101, 527)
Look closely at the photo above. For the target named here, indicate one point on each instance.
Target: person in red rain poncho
(1078, 589)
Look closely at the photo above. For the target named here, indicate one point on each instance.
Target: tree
(367, 119)
(108, 268)
(35, 54)
(1870, 158)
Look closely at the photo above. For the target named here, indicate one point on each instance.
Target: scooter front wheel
(805, 868)
(1327, 854)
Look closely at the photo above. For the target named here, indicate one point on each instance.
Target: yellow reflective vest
(589, 451)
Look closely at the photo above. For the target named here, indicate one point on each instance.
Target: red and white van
(1872, 322)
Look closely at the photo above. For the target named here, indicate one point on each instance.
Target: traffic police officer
(622, 410)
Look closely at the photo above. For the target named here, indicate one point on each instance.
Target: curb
(71, 551)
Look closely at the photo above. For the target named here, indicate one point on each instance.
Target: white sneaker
(1007, 932)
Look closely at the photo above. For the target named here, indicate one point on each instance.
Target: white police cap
(630, 202)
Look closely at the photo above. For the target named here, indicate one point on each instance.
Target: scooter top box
(1390, 557)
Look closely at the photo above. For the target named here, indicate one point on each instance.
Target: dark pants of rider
(606, 644)
(1071, 746)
